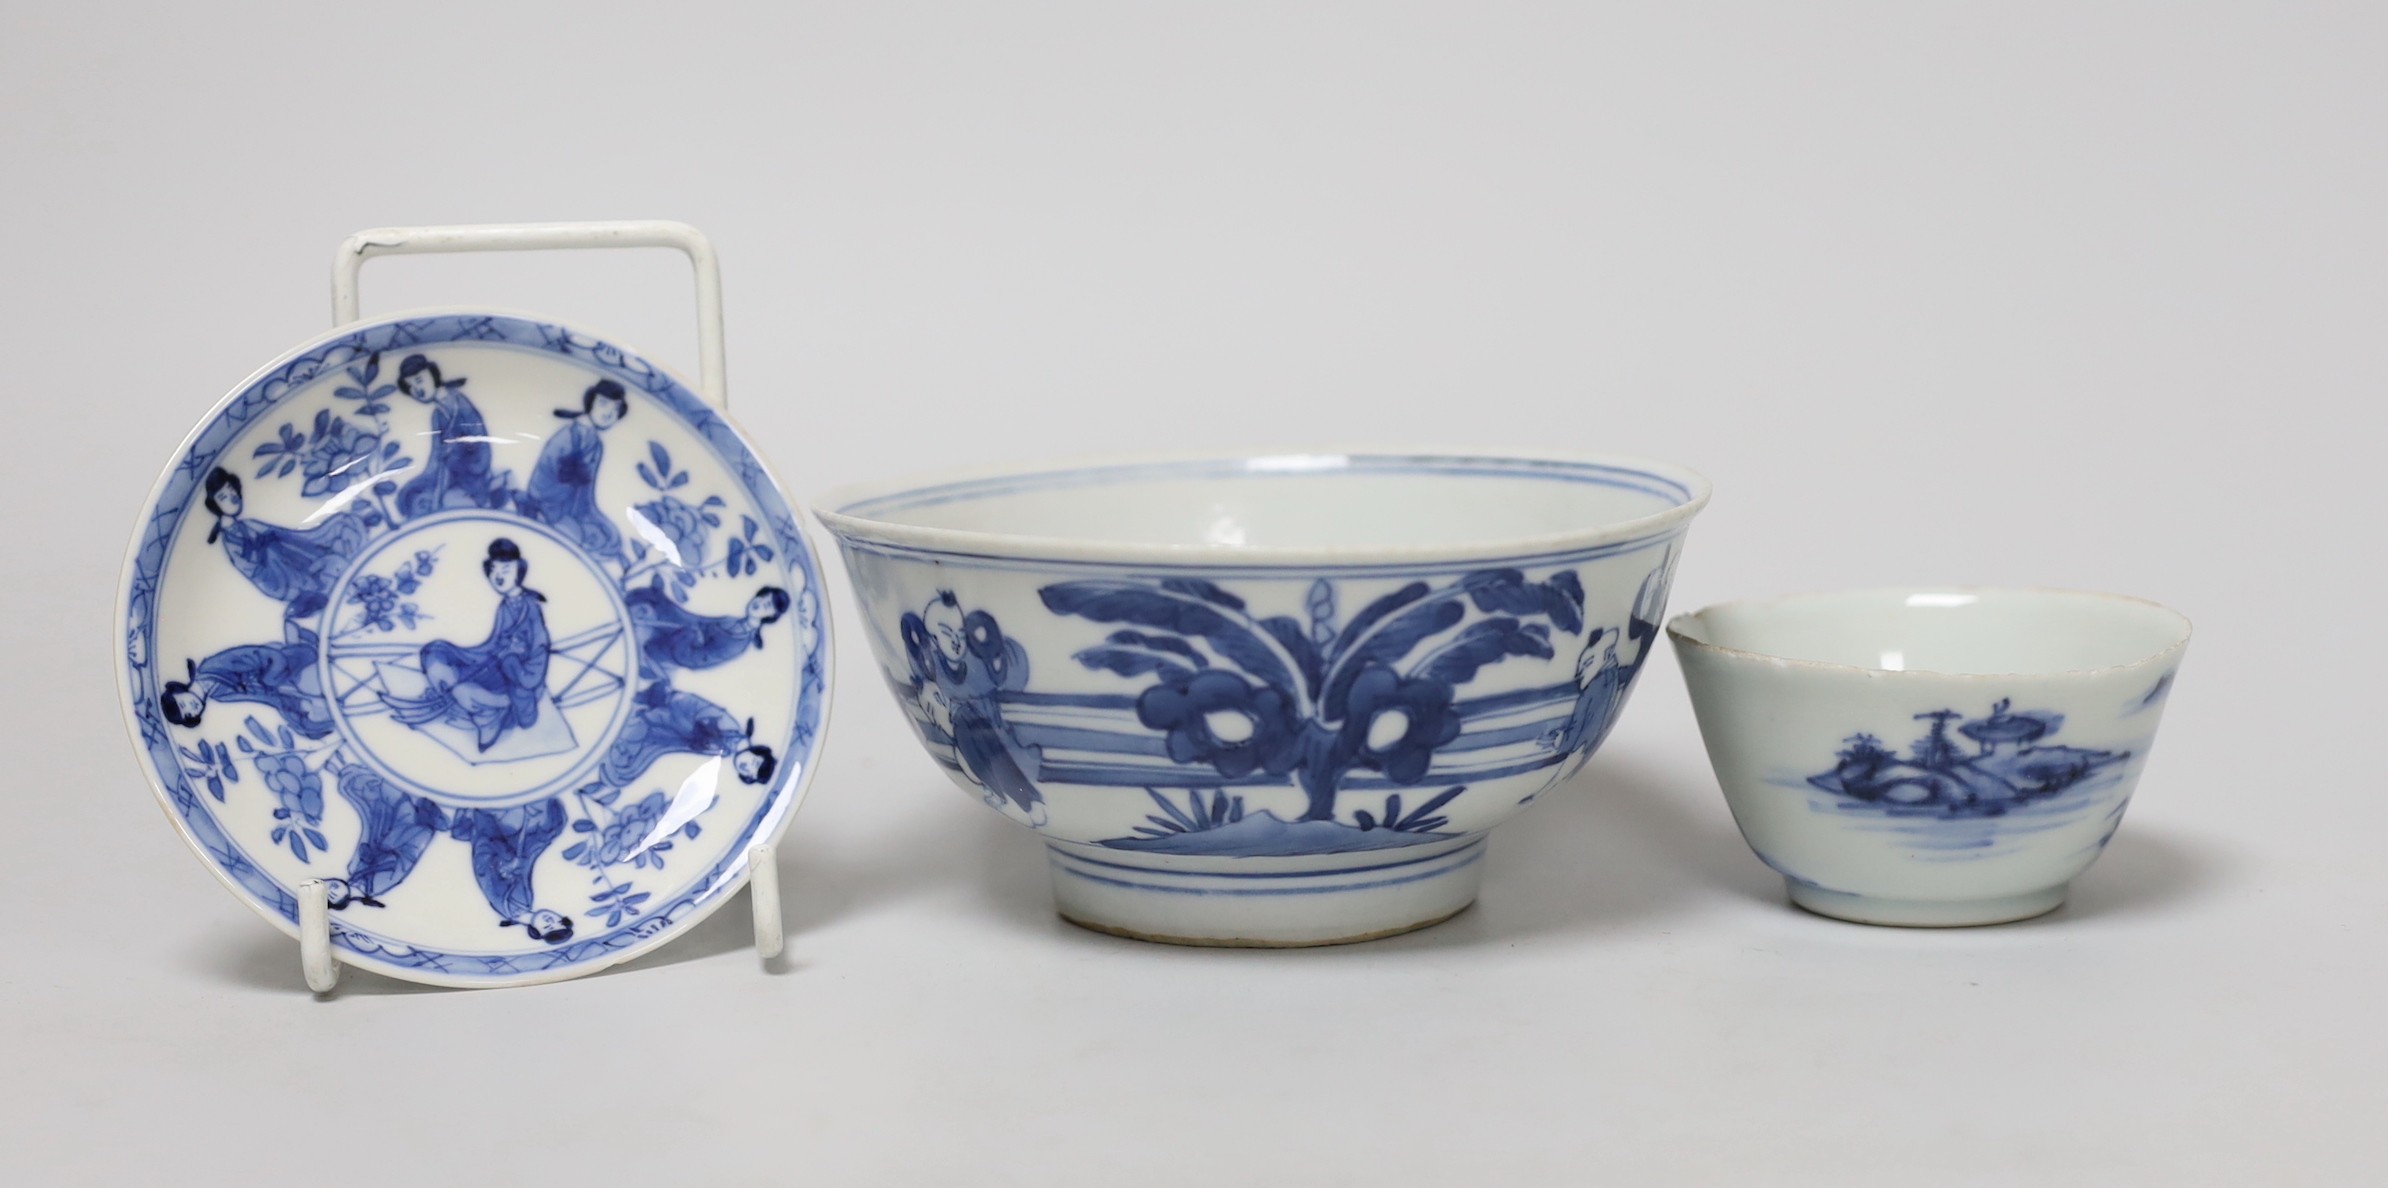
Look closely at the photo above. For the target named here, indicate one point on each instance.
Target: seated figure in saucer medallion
(562, 490)
(495, 685)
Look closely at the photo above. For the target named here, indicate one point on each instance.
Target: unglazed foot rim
(1927, 913)
(1211, 943)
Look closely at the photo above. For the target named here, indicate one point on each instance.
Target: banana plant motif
(1315, 700)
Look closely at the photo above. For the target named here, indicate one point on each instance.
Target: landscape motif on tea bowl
(1932, 757)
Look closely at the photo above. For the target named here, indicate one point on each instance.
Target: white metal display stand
(316, 958)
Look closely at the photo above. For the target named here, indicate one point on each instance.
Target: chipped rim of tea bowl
(1930, 756)
(1199, 677)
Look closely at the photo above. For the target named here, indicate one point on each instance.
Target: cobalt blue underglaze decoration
(2009, 765)
(493, 628)
(1988, 741)
(1196, 732)
(1228, 699)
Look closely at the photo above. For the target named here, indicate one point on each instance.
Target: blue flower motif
(685, 526)
(1221, 719)
(377, 598)
(1395, 723)
(337, 457)
(299, 790)
(630, 826)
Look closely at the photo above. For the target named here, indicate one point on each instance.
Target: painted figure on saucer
(370, 615)
(670, 722)
(283, 676)
(294, 566)
(499, 683)
(563, 487)
(398, 828)
(459, 472)
(672, 637)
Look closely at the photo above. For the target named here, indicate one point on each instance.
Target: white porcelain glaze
(1269, 700)
(1930, 756)
(488, 630)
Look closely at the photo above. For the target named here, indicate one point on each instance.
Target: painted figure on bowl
(961, 664)
(1605, 673)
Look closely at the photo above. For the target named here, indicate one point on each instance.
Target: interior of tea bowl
(1932, 757)
(1266, 700)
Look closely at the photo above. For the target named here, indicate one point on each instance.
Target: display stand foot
(762, 891)
(315, 937)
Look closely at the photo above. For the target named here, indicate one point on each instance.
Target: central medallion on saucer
(479, 660)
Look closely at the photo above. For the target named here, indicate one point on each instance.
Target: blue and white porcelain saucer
(493, 627)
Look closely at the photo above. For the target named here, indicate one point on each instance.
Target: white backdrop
(2064, 294)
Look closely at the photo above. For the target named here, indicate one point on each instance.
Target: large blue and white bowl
(1266, 700)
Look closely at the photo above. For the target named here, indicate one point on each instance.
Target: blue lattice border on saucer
(182, 487)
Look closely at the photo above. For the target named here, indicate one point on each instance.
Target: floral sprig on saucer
(294, 775)
(675, 533)
(290, 769)
(382, 600)
(335, 454)
(211, 763)
(615, 835)
(626, 838)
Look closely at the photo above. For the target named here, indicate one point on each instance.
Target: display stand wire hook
(712, 373)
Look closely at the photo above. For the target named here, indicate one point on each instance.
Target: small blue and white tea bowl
(1266, 700)
(1930, 757)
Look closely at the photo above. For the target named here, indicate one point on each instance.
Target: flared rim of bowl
(2170, 651)
(847, 510)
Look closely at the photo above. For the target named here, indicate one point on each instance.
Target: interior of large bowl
(1288, 502)
(1985, 632)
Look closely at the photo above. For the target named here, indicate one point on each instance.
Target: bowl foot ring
(1927, 913)
(1217, 943)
